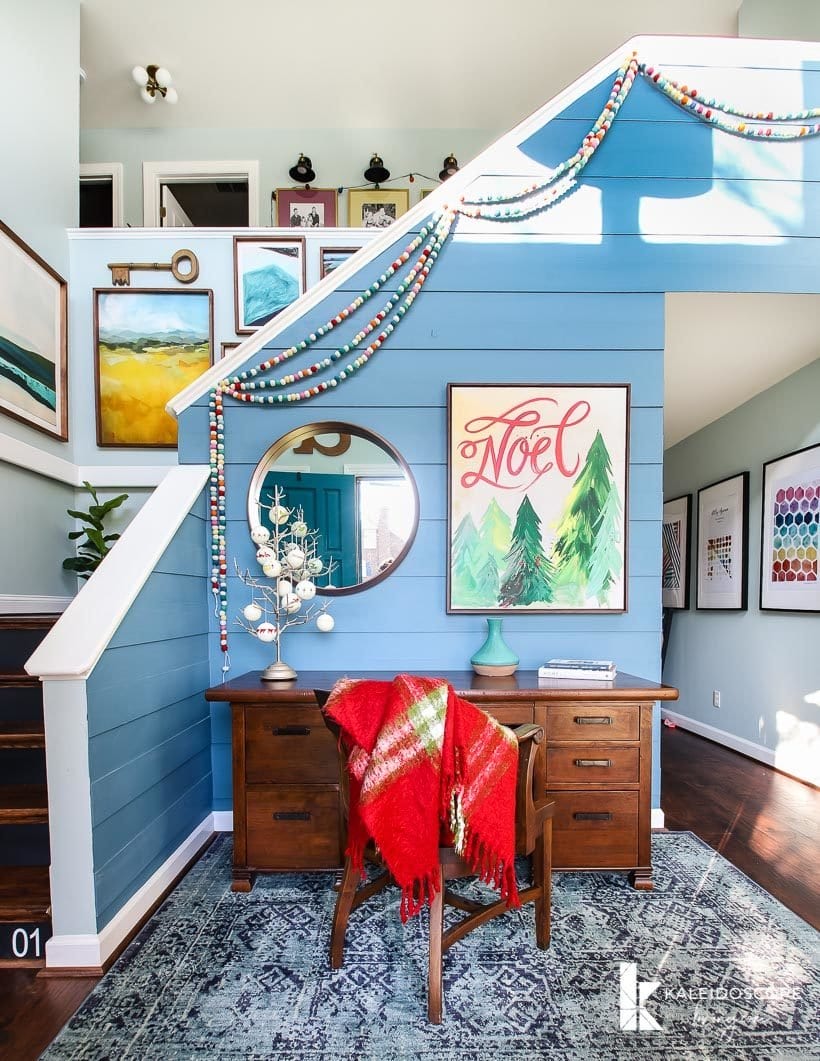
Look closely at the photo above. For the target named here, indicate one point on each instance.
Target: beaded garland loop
(255, 386)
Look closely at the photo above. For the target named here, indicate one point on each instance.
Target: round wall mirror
(352, 488)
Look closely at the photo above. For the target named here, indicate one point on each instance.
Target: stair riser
(23, 766)
(17, 645)
(24, 845)
(21, 704)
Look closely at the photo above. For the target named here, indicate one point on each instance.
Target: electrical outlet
(715, 698)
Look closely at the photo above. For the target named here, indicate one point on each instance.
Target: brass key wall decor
(121, 271)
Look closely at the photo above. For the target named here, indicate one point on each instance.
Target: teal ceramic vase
(495, 657)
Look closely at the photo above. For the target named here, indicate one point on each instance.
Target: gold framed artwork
(376, 207)
(149, 344)
(33, 338)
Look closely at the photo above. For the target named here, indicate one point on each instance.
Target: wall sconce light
(450, 167)
(302, 172)
(376, 172)
(154, 81)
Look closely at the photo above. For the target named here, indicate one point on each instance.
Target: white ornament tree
(283, 596)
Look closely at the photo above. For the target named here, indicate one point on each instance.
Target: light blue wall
(792, 20)
(765, 664)
(149, 726)
(33, 529)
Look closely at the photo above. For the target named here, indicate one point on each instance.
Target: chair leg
(542, 878)
(434, 992)
(341, 915)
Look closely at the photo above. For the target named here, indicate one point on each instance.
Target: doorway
(213, 194)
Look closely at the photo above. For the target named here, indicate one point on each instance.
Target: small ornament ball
(279, 514)
(260, 535)
(252, 612)
(325, 622)
(314, 565)
(284, 587)
(266, 632)
(264, 555)
(272, 569)
(291, 603)
(299, 529)
(295, 558)
(305, 590)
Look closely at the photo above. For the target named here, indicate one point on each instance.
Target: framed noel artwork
(723, 544)
(676, 533)
(790, 534)
(537, 496)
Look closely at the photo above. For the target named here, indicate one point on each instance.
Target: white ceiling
(446, 64)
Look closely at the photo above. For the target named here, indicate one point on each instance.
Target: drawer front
(593, 722)
(599, 762)
(509, 714)
(289, 745)
(595, 830)
(293, 827)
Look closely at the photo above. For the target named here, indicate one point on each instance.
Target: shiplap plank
(146, 660)
(129, 697)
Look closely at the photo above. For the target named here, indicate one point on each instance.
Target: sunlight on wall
(798, 744)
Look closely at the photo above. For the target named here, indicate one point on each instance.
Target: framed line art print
(676, 534)
(306, 207)
(790, 538)
(148, 345)
(376, 207)
(723, 544)
(537, 496)
(269, 274)
(33, 338)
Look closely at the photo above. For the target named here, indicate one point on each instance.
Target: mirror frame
(333, 427)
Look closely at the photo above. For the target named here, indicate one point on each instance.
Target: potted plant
(97, 544)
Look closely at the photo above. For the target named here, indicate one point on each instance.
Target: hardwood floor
(766, 823)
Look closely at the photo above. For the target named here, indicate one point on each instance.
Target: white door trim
(113, 170)
(154, 173)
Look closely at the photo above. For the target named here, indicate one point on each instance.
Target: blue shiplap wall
(149, 725)
(575, 295)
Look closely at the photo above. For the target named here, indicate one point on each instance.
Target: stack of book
(584, 669)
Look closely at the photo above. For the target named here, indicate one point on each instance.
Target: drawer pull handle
(593, 720)
(593, 762)
(291, 816)
(593, 816)
(290, 731)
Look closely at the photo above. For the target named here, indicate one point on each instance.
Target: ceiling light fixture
(376, 172)
(450, 165)
(154, 81)
(302, 172)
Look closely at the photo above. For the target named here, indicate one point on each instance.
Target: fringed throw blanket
(425, 765)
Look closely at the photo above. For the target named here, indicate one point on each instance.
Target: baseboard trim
(657, 819)
(223, 821)
(29, 604)
(87, 954)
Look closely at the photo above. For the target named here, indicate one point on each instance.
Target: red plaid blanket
(427, 767)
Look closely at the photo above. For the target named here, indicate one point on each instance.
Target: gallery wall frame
(269, 274)
(676, 546)
(537, 495)
(790, 534)
(149, 343)
(307, 207)
(33, 338)
(226, 348)
(723, 545)
(376, 207)
(330, 258)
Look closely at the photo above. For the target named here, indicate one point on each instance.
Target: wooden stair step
(23, 805)
(22, 735)
(24, 894)
(17, 679)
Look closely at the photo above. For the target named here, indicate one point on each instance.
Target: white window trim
(113, 170)
(154, 174)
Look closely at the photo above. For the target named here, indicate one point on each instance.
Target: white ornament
(260, 535)
(284, 587)
(272, 569)
(266, 632)
(252, 612)
(305, 590)
(290, 602)
(279, 514)
(288, 546)
(325, 622)
(264, 555)
(299, 529)
(295, 558)
(314, 565)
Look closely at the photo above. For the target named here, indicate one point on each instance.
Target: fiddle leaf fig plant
(97, 544)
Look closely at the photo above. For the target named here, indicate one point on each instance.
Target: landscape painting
(269, 274)
(537, 496)
(32, 338)
(149, 345)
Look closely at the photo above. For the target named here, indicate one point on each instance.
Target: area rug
(706, 966)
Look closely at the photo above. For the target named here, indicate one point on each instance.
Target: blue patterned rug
(223, 975)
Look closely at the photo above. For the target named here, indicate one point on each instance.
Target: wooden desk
(596, 763)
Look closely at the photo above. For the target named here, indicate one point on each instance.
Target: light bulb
(140, 75)
(147, 97)
(171, 95)
(163, 77)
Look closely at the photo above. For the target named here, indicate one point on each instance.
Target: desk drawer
(595, 830)
(293, 827)
(598, 762)
(289, 745)
(510, 714)
(593, 722)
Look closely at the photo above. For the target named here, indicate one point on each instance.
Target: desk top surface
(523, 685)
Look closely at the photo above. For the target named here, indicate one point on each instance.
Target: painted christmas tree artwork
(468, 558)
(495, 532)
(528, 575)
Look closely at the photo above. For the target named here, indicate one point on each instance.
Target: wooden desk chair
(533, 837)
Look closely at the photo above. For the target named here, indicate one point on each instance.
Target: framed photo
(723, 544)
(676, 536)
(33, 338)
(537, 491)
(306, 207)
(790, 539)
(331, 258)
(269, 274)
(225, 348)
(148, 345)
(376, 207)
